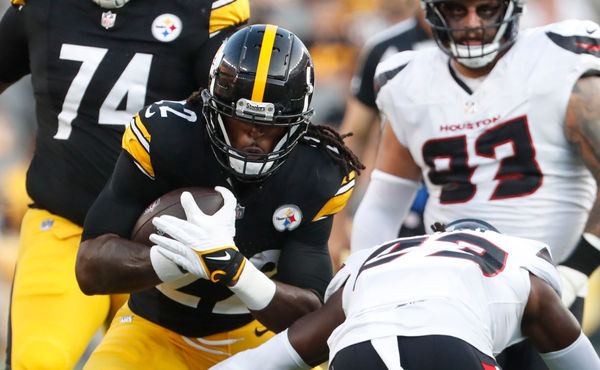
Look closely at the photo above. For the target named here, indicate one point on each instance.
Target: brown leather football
(208, 200)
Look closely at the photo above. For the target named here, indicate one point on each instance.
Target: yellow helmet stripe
(264, 60)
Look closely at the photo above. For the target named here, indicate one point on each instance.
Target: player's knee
(41, 354)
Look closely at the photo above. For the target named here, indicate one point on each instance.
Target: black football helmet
(262, 75)
(474, 56)
(470, 224)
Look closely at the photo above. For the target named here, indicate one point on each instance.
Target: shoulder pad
(168, 109)
(337, 282)
(227, 13)
(574, 28)
(389, 68)
(138, 134)
(338, 201)
(333, 186)
(395, 61)
(136, 141)
(541, 265)
(533, 256)
(580, 37)
(347, 271)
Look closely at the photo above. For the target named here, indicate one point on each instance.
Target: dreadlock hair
(326, 137)
(329, 137)
(195, 98)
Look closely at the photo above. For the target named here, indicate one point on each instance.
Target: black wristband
(585, 258)
(224, 264)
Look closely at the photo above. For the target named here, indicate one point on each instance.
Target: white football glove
(202, 244)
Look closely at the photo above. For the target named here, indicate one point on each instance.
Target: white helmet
(474, 56)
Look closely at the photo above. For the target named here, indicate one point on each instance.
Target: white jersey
(465, 284)
(499, 153)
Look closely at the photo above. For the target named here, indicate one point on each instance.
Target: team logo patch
(166, 27)
(470, 107)
(108, 19)
(260, 333)
(287, 217)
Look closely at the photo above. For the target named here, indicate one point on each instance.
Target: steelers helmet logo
(166, 27)
(287, 217)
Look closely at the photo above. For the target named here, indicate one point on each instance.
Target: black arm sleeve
(122, 200)
(14, 56)
(304, 261)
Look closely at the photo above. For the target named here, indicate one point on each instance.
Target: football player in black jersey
(249, 134)
(94, 64)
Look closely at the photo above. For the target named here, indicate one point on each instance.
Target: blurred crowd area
(333, 30)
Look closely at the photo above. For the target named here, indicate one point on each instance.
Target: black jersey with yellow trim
(288, 214)
(93, 69)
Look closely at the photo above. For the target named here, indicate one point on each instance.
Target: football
(208, 200)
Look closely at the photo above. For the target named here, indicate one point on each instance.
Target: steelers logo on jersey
(287, 217)
(166, 27)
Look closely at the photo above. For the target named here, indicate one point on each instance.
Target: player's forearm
(592, 227)
(308, 335)
(579, 355)
(110, 264)
(585, 258)
(384, 206)
(288, 304)
(582, 130)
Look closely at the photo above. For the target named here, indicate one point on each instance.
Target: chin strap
(111, 4)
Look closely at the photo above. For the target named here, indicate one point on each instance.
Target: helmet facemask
(475, 56)
(249, 166)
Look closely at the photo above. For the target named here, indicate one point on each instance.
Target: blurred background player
(249, 132)
(472, 118)
(451, 300)
(93, 65)
(362, 118)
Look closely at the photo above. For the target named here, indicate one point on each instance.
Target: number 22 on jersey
(132, 83)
